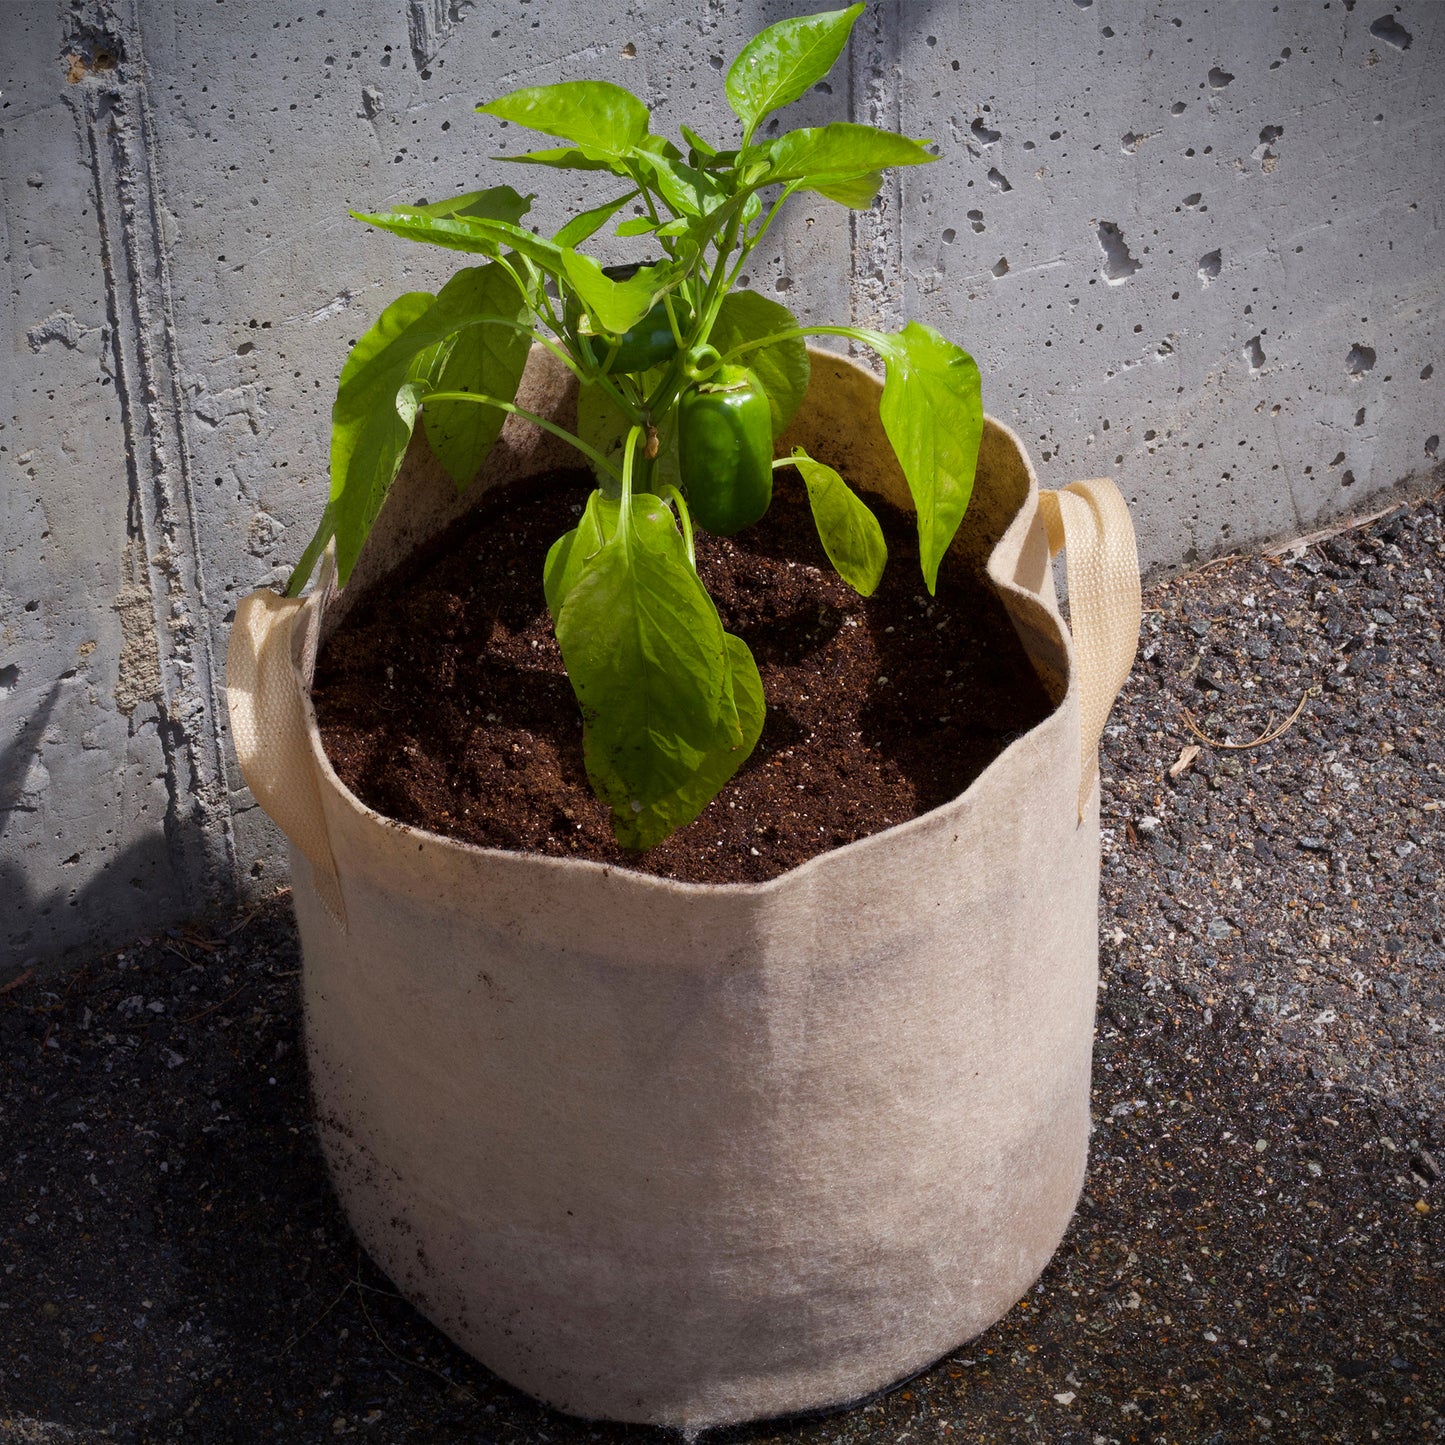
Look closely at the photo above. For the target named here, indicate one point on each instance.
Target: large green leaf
(485, 357)
(856, 192)
(848, 530)
(829, 154)
(570, 553)
(382, 383)
(614, 306)
(603, 425)
(602, 120)
(656, 821)
(647, 658)
(477, 235)
(498, 203)
(687, 192)
(778, 64)
(932, 410)
(782, 367)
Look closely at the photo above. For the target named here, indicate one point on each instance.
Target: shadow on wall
(26, 902)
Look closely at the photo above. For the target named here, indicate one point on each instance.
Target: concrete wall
(1194, 245)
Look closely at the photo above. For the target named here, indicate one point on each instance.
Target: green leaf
(658, 145)
(848, 530)
(637, 226)
(569, 554)
(782, 367)
(602, 120)
(306, 562)
(614, 306)
(778, 64)
(699, 149)
(588, 223)
(563, 158)
(647, 658)
(603, 425)
(932, 411)
(499, 203)
(656, 821)
(474, 234)
(389, 370)
(828, 154)
(688, 192)
(855, 192)
(486, 358)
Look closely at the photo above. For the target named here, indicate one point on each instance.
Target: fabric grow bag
(691, 1154)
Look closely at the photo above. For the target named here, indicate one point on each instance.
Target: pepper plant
(685, 381)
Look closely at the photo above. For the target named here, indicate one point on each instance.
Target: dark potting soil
(444, 704)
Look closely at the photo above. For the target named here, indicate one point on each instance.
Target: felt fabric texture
(694, 1154)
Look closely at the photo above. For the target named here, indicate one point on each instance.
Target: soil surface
(448, 707)
(1258, 1255)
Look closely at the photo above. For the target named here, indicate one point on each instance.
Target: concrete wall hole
(1388, 29)
(1119, 265)
(1360, 360)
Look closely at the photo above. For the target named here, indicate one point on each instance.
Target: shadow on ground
(1249, 1260)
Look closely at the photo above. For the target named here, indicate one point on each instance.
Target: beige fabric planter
(694, 1154)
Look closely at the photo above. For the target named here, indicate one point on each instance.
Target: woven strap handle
(1089, 522)
(268, 728)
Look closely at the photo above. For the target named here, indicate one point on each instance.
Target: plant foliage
(671, 704)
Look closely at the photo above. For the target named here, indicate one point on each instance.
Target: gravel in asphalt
(1258, 1255)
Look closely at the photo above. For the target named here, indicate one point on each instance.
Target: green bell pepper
(725, 450)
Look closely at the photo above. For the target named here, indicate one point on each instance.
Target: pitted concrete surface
(1193, 247)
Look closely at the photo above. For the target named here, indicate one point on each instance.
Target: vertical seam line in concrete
(115, 114)
(876, 243)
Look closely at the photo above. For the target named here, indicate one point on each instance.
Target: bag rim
(998, 570)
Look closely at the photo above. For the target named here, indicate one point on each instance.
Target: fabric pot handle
(1089, 522)
(269, 730)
